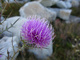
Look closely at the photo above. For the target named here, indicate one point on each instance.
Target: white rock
(35, 8)
(64, 14)
(69, 0)
(5, 42)
(64, 4)
(61, 4)
(57, 10)
(6, 45)
(69, 5)
(48, 2)
(73, 19)
(42, 53)
(75, 3)
(2, 18)
(15, 30)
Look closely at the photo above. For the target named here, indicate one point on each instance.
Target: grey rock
(75, 3)
(64, 4)
(57, 10)
(65, 0)
(61, 4)
(69, 5)
(42, 53)
(13, 33)
(15, 29)
(62, 13)
(48, 2)
(2, 18)
(73, 19)
(35, 8)
(6, 45)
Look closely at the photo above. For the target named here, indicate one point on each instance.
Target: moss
(11, 9)
(75, 11)
(0, 9)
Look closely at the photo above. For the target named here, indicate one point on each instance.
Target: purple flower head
(37, 31)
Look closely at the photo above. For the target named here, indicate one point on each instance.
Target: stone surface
(64, 14)
(64, 4)
(75, 3)
(15, 30)
(2, 18)
(57, 10)
(6, 45)
(73, 19)
(35, 8)
(48, 2)
(42, 53)
(69, 0)
(13, 33)
(69, 5)
(61, 4)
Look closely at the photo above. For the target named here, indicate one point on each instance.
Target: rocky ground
(64, 15)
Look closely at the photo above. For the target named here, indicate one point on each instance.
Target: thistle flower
(37, 31)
